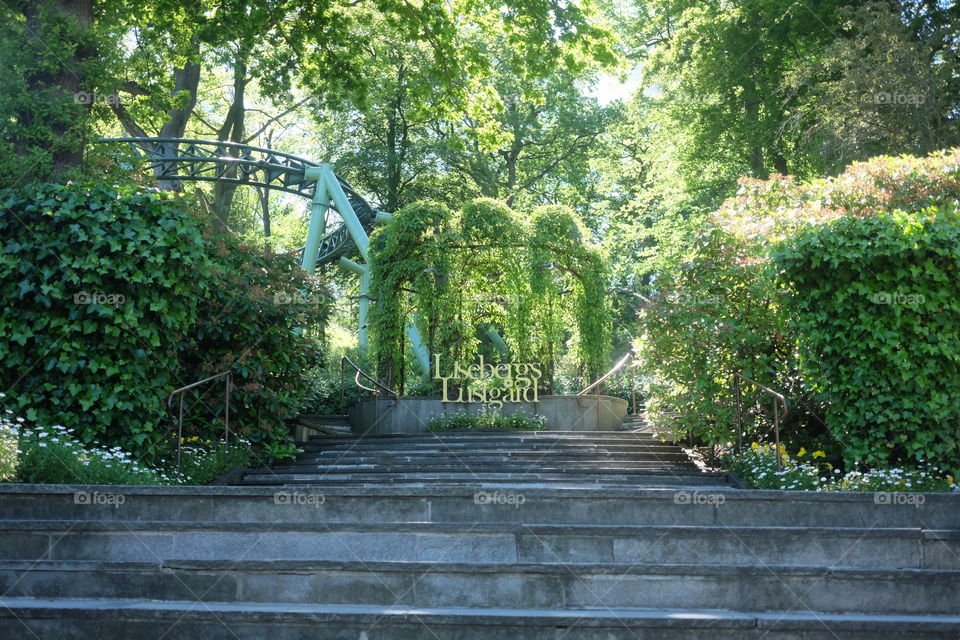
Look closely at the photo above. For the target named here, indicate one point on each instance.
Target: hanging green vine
(486, 272)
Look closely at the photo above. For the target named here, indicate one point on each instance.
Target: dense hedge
(114, 296)
(876, 302)
(98, 285)
(806, 324)
(261, 317)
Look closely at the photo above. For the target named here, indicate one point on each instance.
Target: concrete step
(456, 459)
(665, 477)
(442, 455)
(503, 464)
(81, 619)
(501, 585)
(161, 541)
(456, 502)
(528, 438)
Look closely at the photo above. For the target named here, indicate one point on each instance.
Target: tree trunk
(63, 83)
(232, 131)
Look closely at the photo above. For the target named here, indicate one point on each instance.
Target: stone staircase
(470, 536)
(554, 458)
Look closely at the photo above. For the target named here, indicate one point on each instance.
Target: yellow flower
(828, 465)
(819, 454)
(754, 445)
(951, 480)
(803, 451)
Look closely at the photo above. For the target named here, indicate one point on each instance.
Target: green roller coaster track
(217, 161)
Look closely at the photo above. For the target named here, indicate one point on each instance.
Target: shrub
(98, 284)
(808, 471)
(757, 466)
(487, 420)
(9, 449)
(805, 325)
(261, 317)
(875, 302)
(114, 296)
(539, 284)
(202, 462)
(51, 455)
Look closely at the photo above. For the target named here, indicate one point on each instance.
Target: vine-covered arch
(465, 278)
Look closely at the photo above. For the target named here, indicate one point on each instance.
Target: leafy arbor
(486, 267)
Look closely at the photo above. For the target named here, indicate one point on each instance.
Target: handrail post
(342, 388)
(776, 431)
(180, 431)
(736, 385)
(226, 414)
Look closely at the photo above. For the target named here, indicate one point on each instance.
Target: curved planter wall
(563, 413)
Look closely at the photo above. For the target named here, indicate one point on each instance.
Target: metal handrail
(226, 408)
(776, 412)
(356, 379)
(603, 378)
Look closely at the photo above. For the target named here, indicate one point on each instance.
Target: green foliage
(277, 450)
(115, 297)
(47, 49)
(757, 467)
(874, 301)
(99, 284)
(811, 331)
(487, 421)
(806, 471)
(483, 269)
(715, 315)
(202, 462)
(261, 317)
(9, 449)
(52, 455)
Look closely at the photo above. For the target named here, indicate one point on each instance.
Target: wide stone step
(615, 439)
(664, 478)
(456, 503)
(151, 620)
(441, 452)
(493, 447)
(32, 541)
(533, 586)
(453, 458)
(483, 465)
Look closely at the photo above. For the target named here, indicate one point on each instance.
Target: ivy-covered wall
(533, 278)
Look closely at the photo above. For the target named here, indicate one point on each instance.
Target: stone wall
(563, 413)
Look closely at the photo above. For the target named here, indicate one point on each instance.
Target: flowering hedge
(782, 281)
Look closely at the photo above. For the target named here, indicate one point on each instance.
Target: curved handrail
(777, 417)
(360, 372)
(226, 409)
(605, 376)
